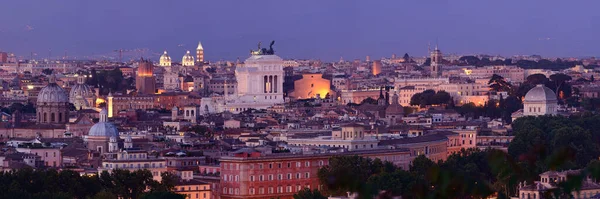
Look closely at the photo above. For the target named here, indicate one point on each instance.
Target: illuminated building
(188, 59)
(310, 86)
(464, 93)
(510, 73)
(357, 96)
(145, 82)
(110, 104)
(193, 189)
(200, 53)
(351, 137)
(259, 85)
(165, 59)
(376, 67)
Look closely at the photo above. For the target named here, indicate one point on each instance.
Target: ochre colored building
(310, 86)
(145, 82)
(250, 175)
(376, 67)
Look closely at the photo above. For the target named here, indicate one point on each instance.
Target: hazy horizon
(310, 29)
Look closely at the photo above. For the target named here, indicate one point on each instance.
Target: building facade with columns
(259, 85)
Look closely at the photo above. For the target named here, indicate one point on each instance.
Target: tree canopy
(28, 183)
(557, 64)
(430, 97)
(110, 80)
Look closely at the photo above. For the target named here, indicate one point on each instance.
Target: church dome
(81, 90)
(104, 128)
(187, 59)
(165, 57)
(52, 93)
(540, 93)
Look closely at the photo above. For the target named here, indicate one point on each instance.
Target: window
(298, 176)
(270, 177)
(289, 176)
(252, 178)
(261, 178)
(307, 164)
(270, 189)
(307, 175)
(288, 189)
(279, 189)
(279, 165)
(270, 165)
(298, 164)
(280, 177)
(289, 164)
(260, 166)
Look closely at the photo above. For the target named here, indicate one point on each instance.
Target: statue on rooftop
(264, 51)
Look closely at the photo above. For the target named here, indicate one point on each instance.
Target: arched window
(275, 85)
(45, 118)
(265, 85)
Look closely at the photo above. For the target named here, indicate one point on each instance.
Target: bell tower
(200, 53)
(436, 62)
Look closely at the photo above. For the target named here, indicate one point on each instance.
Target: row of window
(261, 178)
(190, 188)
(190, 195)
(270, 165)
(47, 154)
(269, 190)
(289, 176)
(124, 165)
(134, 156)
(220, 86)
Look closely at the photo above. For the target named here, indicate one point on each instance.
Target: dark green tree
(536, 79)
(369, 101)
(499, 84)
(559, 80)
(162, 195)
(309, 194)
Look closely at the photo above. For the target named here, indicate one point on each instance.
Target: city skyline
(320, 30)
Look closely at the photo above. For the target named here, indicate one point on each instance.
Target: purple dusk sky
(302, 29)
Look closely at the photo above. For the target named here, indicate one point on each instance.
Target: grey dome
(52, 93)
(83, 90)
(540, 93)
(104, 129)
